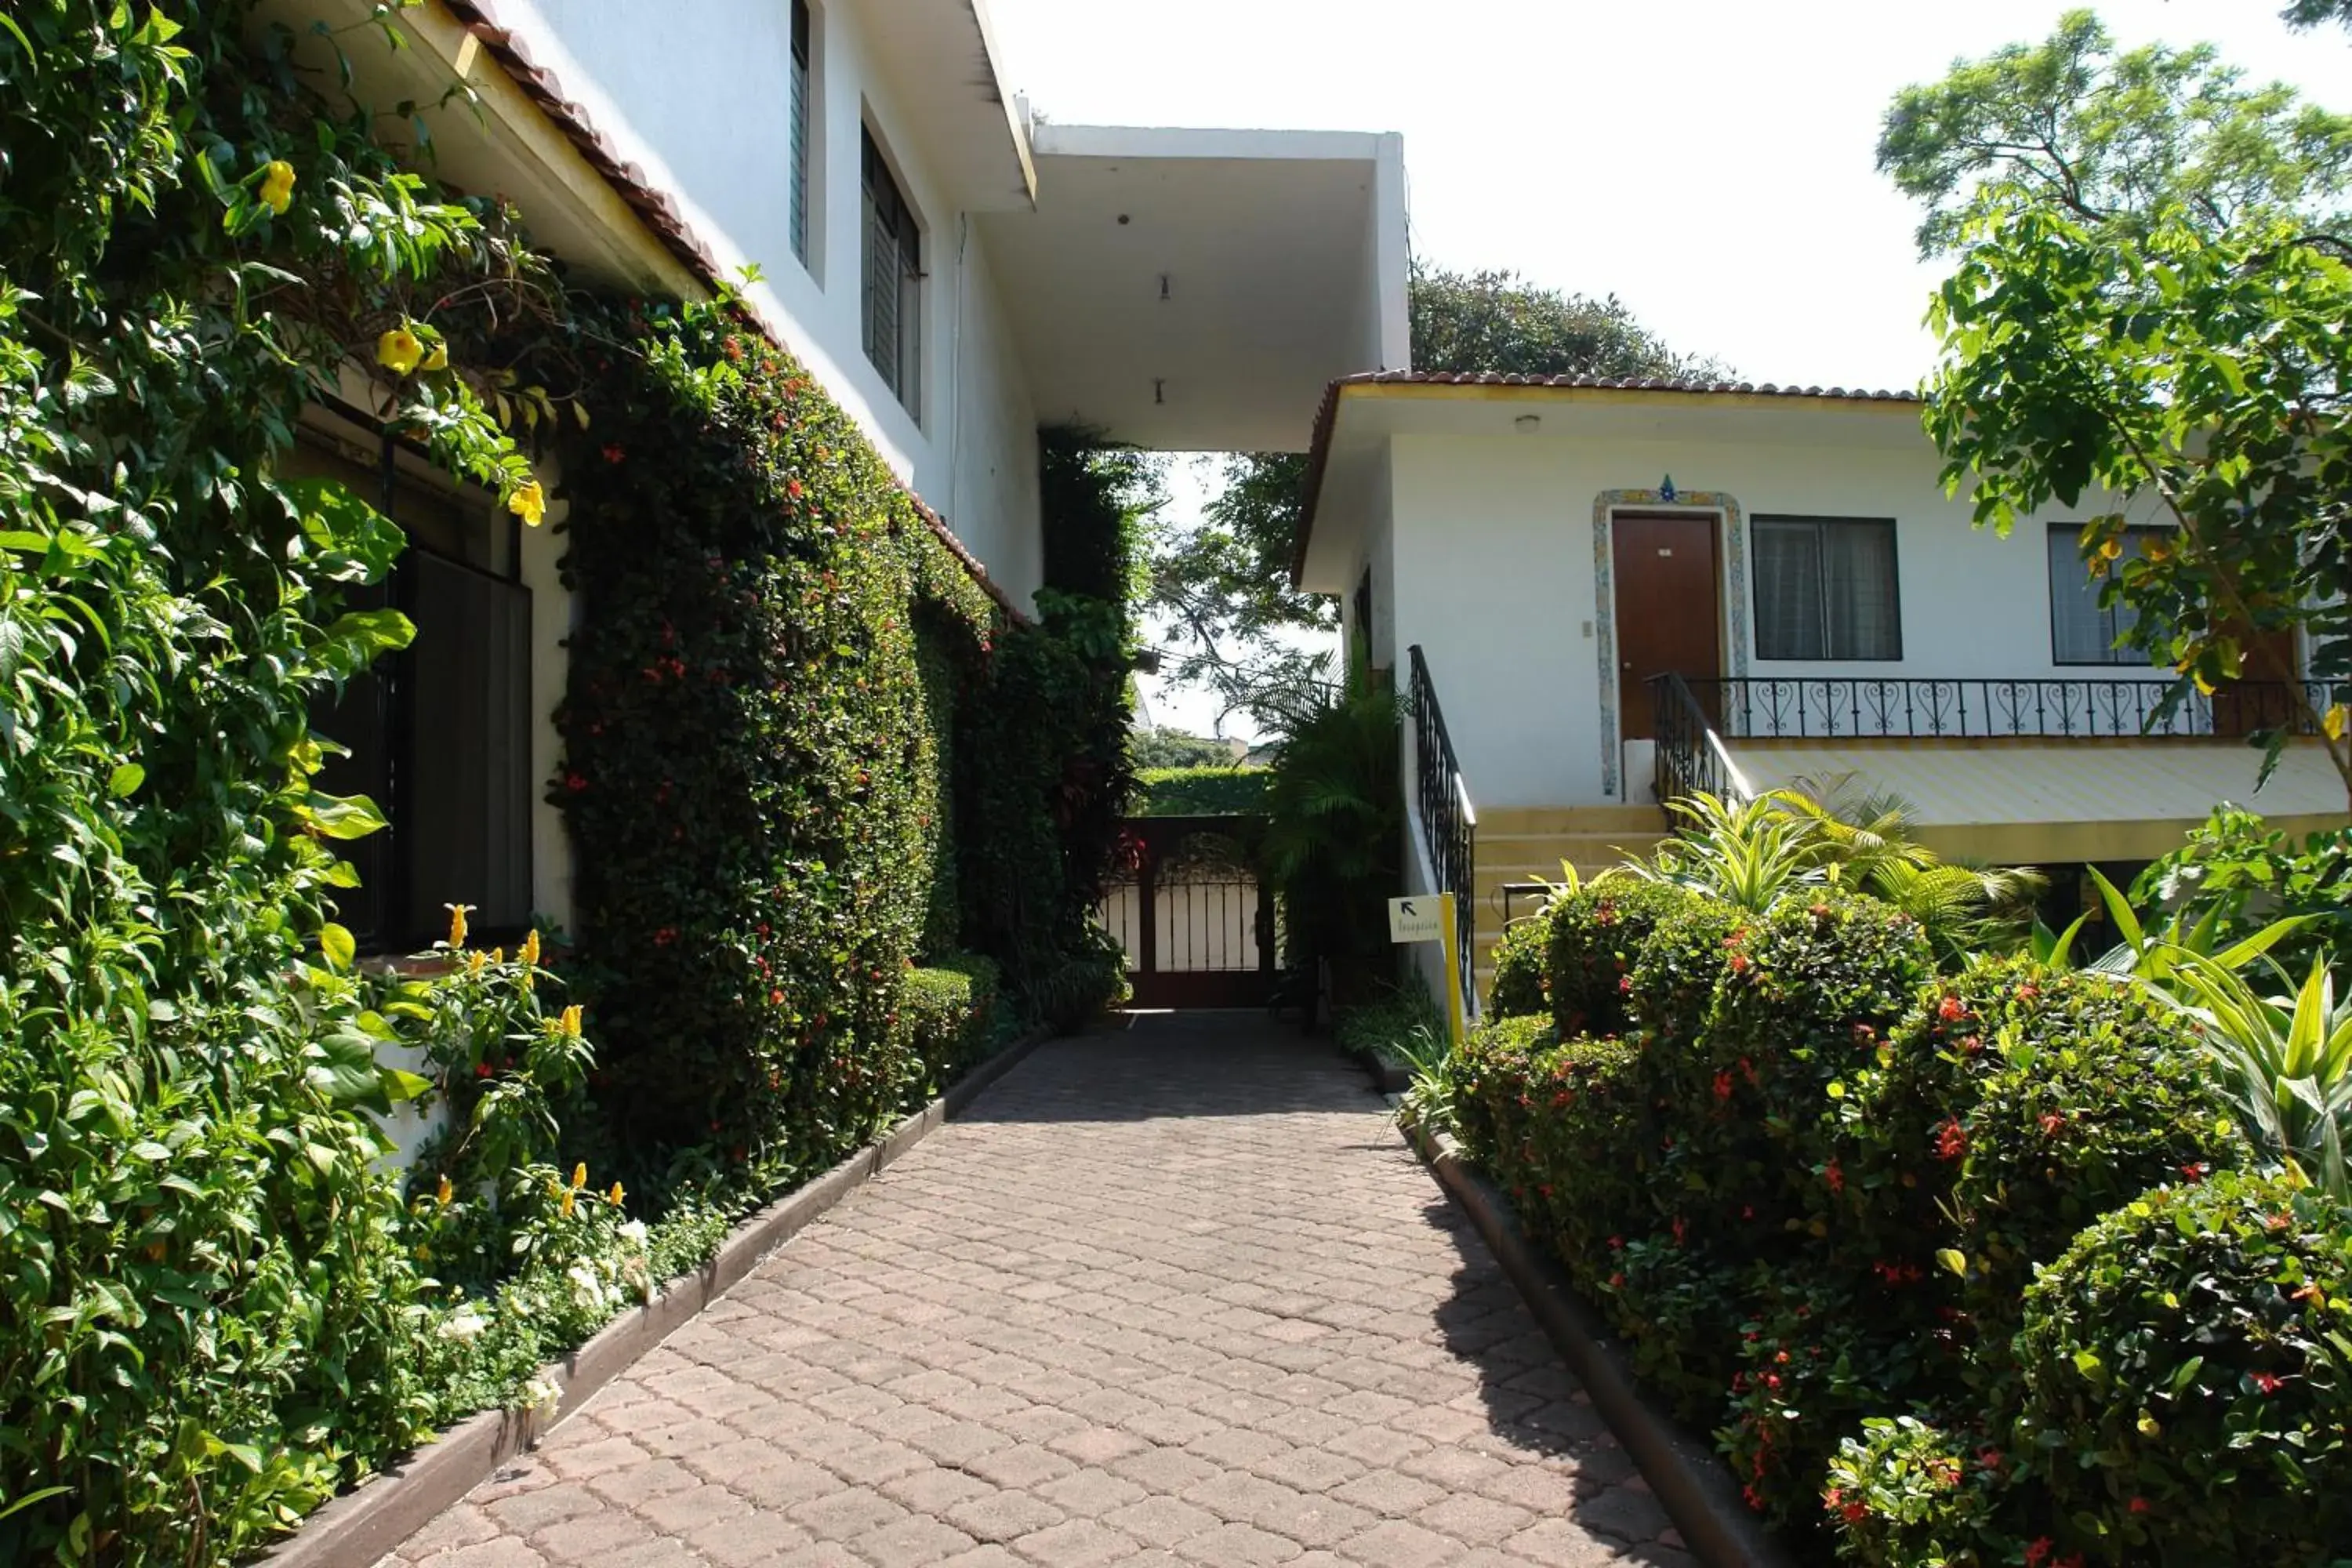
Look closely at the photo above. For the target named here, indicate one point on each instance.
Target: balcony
(2030, 771)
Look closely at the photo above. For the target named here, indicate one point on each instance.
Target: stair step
(1595, 819)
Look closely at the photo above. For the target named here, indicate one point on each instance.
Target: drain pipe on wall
(955, 364)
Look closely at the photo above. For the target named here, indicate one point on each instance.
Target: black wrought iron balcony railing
(1837, 708)
(1448, 820)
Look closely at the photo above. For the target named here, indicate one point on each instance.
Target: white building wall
(719, 139)
(1495, 578)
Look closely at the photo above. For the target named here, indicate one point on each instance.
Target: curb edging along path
(1691, 1482)
(387, 1508)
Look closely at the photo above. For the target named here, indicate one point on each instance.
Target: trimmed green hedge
(952, 1015)
(2188, 1371)
(1811, 1181)
(1201, 792)
(1521, 986)
(750, 767)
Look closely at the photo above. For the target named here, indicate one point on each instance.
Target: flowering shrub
(1521, 988)
(2188, 1379)
(1597, 932)
(1811, 1185)
(747, 758)
(215, 1318)
(1908, 1494)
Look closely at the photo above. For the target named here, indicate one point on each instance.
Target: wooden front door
(1668, 607)
(2261, 700)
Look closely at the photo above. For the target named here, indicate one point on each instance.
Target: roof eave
(1445, 385)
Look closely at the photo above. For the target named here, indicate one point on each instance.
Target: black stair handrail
(1449, 822)
(1688, 756)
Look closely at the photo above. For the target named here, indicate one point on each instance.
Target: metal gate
(1198, 928)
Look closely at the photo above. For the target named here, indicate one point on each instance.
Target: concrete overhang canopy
(1359, 415)
(1186, 290)
(942, 56)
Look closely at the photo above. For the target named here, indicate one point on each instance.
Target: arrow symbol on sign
(1407, 906)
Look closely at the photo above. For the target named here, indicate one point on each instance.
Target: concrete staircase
(1527, 844)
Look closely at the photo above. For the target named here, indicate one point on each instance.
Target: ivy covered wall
(792, 765)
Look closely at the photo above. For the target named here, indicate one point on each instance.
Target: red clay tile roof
(657, 209)
(1318, 454)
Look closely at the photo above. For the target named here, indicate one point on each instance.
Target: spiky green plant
(1749, 854)
(2284, 1062)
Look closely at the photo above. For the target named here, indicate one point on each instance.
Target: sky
(1708, 161)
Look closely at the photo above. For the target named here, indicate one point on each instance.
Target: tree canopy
(1223, 589)
(2147, 310)
(2112, 139)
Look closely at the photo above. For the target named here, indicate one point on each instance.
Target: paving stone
(1003, 1516)
(1171, 1298)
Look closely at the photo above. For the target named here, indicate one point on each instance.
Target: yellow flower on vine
(474, 964)
(497, 955)
(398, 350)
(616, 1196)
(443, 1192)
(580, 1175)
(458, 923)
(2336, 721)
(277, 192)
(435, 358)
(569, 1023)
(564, 1204)
(528, 502)
(528, 953)
(2111, 549)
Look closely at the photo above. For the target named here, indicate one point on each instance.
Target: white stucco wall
(1493, 575)
(719, 141)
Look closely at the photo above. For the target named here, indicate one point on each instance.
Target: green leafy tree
(1234, 623)
(1174, 748)
(2148, 303)
(2312, 13)
(2113, 140)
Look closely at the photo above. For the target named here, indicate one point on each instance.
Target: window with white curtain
(797, 194)
(1825, 588)
(2082, 630)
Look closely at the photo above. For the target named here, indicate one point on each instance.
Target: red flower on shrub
(1739, 963)
(665, 936)
(2138, 1505)
(2038, 1551)
(2027, 993)
(613, 453)
(574, 782)
(1951, 1139)
(1723, 1084)
(2051, 1122)
(2196, 1170)
(1951, 1009)
(792, 488)
(1624, 985)
(2268, 1381)
(1835, 1177)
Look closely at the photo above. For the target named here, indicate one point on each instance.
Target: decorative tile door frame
(1731, 533)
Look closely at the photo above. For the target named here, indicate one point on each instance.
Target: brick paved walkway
(1177, 1295)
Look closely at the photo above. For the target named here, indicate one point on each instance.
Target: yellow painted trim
(504, 103)
(2070, 843)
(1456, 392)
